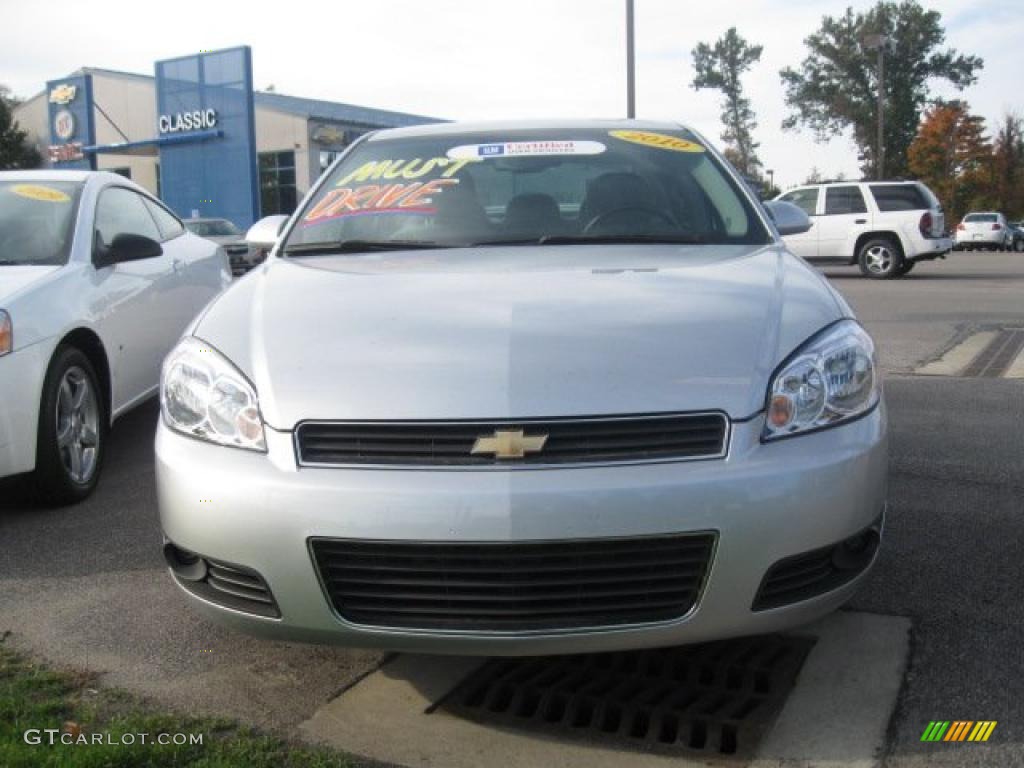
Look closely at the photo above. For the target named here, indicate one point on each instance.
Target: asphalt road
(86, 586)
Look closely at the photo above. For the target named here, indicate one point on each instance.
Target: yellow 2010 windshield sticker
(658, 141)
(37, 192)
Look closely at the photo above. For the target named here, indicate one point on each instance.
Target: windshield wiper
(598, 239)
(639, 238)
(360, 246)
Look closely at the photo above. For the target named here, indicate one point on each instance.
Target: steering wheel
(651, 212)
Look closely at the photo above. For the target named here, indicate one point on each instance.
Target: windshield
(37, 221)
(213, 228)
(527, 186)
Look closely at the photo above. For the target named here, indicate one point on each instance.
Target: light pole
(879, 43)
(630, 64)
(771, 178)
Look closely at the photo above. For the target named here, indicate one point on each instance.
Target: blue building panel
(197, 94)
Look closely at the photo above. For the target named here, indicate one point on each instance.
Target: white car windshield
(37, 221)
(525, 187)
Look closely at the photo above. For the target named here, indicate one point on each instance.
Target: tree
(952, 156)
(1008, 166)
(15, 151)
(721, 67)
(835, 88)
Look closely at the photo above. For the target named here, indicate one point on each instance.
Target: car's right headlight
(828, 381)
(203, 395)
(6, 334)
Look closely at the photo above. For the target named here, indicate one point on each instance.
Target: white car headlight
(203, 395)
(829, 380)
(6, 333)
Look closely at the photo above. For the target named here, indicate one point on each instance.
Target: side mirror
(789, 219)
(263, 234)
(127, 247)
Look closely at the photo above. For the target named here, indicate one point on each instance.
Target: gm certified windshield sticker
(375, 170)
(36, 192)
(414, 198)
(525, 149)
(658, 141)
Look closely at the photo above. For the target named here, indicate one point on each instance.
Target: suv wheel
(881, 259)
(72, 430)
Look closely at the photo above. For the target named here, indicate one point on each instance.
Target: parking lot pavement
(85, 586)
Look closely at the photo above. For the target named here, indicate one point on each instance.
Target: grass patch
(34, 696)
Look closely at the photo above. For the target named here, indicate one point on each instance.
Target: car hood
(517, 332)
(15, 277)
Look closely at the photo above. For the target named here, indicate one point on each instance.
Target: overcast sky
(482, 59)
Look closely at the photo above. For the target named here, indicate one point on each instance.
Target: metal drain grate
(997, 356)
(713, 698)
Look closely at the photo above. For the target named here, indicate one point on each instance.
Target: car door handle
(860, 221)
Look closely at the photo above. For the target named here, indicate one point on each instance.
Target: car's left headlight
(203, 395)
(831, 379)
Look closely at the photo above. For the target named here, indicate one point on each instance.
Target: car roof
(52, 174)
(497, 126)
(847, 182)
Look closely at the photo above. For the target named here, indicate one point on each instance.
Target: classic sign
(196, 120)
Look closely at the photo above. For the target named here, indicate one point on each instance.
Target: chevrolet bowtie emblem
(63, 94)
(509, 444)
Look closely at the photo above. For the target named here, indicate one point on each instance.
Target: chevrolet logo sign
(509, 444)
(63, 94)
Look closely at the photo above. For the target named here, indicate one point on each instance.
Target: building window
(277, 183)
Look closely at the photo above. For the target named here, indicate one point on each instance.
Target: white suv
(884, 226)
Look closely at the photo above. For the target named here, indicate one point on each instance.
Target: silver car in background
(524, 388)
(229, 237)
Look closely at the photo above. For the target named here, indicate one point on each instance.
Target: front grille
(514, 586)
(569, 441)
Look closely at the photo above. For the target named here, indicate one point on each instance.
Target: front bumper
(766, 502)
(21, 384)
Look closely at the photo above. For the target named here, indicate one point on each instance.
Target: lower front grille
(517, 586)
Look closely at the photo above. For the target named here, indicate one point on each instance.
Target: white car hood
(15, 277)
(518, 332)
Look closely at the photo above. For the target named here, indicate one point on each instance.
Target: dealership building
(197, 134)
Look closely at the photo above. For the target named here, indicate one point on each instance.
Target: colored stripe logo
(958, 730)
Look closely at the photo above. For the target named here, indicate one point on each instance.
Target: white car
(97, 282)
(885, 227)
(984, 230)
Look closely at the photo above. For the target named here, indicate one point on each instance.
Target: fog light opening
(854, 553)
(185, 565)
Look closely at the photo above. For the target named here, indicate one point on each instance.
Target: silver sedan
(520, 389)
